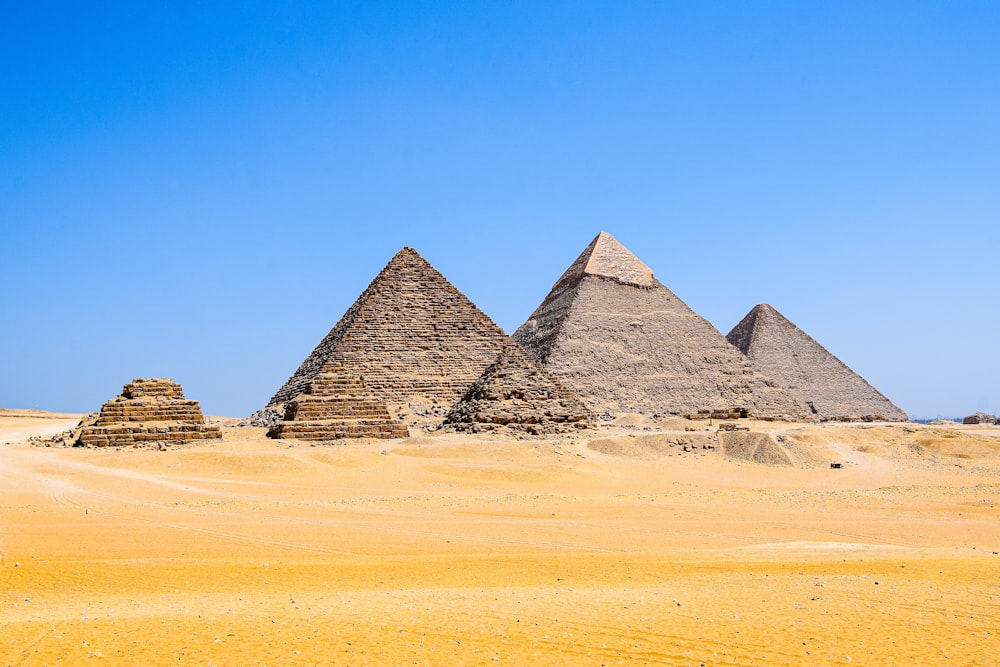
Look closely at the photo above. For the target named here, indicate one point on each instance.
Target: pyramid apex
(745, 333)
(761, 309)
(405, 256)
(607, 258)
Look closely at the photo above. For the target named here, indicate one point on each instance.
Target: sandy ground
(613, 549)
(19, 425)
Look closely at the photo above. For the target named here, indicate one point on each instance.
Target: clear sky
(200, 192)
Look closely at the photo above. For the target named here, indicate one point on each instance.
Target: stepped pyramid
(149, 411)
(417, 342)
(516, 392)
(337, 404)
(816, 378)
(623, 342)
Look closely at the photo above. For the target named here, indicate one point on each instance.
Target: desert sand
(617, 547)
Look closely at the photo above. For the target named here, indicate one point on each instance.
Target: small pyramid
(336, 404)
(417, 342)
(149, 411)
(814, 376)
(623, 342)
(517, 393)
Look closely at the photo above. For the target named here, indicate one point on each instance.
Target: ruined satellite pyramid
(612, 333)
(413, 340)
(149, 411)
(816, 378)
(337, 404)
(517, 393)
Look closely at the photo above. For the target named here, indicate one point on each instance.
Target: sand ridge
(457, 549)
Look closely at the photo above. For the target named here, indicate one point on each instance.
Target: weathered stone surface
(67, 438)
(412, 337)
(152, 388)
(815, 377)
(980, 418)
(149, 411)
(608, 258)
(623, 342)
(266, 417)
(336, 404)
(754, 447)
(515, 392)
(729, 413)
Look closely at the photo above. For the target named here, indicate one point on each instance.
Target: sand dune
(628, 546)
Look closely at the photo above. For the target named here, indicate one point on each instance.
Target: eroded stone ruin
(148, 412)
(980, 418)
(337, 404)
(516, 393)
(623, 342)
(814, 376)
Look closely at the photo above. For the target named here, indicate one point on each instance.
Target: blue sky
(200, 192)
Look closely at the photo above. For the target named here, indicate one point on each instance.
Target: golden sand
(454, 550)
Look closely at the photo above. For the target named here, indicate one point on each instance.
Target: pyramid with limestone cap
(415, 340)
(607, 258)
(623, 342)
(814, 376)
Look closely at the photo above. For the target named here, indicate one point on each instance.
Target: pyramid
(416, 342)
(623, 342)
(517, 393)
(149, 411)
(337, 404)
(816, 378)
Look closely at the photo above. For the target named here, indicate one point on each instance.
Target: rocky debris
(264, 418)
(732, 426)
(336, 404)
(412, 336)
(516, 393)
(811, 374)
(655, 445)
(66, 438)
(149, 412)
(980, 418)
(623, 342)
(861, 418)
(730, 413)
(742, 446)
(755, 447)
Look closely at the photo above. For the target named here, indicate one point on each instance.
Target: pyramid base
(542, 427)
(338, 430)
(145, 434)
